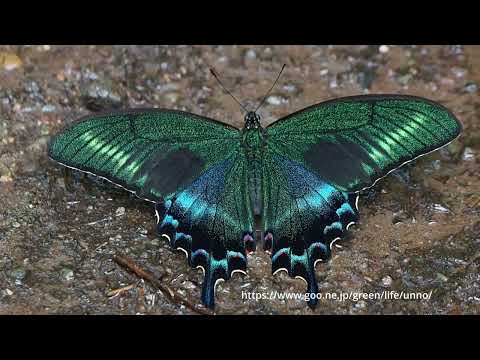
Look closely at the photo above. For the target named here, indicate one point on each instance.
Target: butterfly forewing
(151, 152)
(351, 142)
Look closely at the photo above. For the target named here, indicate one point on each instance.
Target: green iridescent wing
(318, 160)
(190, 166)
(352, 142)
(153, 153)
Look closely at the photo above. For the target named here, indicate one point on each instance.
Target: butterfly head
(252, 120)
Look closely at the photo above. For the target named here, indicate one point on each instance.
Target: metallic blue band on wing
(314, 215)
(196, 221)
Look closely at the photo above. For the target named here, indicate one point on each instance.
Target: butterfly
(298, 179)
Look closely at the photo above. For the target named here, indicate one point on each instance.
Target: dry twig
(167, 291)
(115, 292)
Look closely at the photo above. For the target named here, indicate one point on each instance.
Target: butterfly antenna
(225, 89)
(268, 93)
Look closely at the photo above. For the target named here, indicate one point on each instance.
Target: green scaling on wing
(154, 153)
(352, 142)
(319, 158)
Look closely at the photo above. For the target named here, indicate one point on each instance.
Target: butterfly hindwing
(151, 152)
(303, 216)
(352, 142)
(211, 220)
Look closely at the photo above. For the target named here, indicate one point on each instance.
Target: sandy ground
(419, 229)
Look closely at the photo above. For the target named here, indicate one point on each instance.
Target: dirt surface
(419, 229)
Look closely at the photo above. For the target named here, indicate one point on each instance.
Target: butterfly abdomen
(253, 143)
(255, 184)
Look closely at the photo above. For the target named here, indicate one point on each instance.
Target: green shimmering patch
(340, 139)
(121, 146)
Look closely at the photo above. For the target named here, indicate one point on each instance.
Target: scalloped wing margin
(304, 215)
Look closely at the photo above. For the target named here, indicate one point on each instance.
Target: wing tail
(218, 269)
(318, 215)
(209, 226)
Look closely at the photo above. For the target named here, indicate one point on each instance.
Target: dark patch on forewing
(168, 172)
(340, 162)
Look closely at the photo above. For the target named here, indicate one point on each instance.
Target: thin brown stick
(167, 291)
(115, 292)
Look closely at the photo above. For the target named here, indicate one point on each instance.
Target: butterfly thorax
(253, 144)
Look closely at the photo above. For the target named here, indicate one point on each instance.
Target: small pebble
(289, 88)
(6, 179)
(163, 88)
(67, 274)
(333, 83)
(456, 49)
(150, 299)
(468, 154)
(360, 304)
(251, 54)
(436, 164)
(442, 277)
(172, 97)
(101, 95)
(8, 292)
(9, 61)
(458, 72)
(48, 108)
(274, 100)
(120, 211)
(60, 76)
(18, 273)
(32, 88)
(88, 74)
(470, 87)
(404, 79)
(387, 281)
(383, 49)
(400, 216)
(440, 209)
